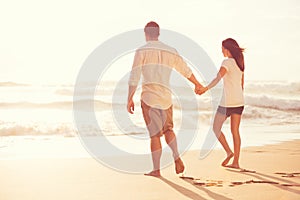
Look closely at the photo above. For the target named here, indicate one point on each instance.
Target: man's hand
(199, 89)
(130, 106)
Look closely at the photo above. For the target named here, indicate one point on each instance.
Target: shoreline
(50, 146)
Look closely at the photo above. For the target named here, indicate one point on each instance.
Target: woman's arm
(216, 80)
(243, 81)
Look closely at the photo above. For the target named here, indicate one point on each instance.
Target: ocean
(272, 112)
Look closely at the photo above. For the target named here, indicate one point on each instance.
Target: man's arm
(193, 80)
(130, 103)
(134, 80)
(181, 67)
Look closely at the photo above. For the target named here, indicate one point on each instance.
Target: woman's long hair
(236, 52)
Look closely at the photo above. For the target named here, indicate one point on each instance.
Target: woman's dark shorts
(228, 111)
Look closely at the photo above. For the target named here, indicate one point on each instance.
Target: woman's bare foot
(155, 173)
(229, 156)
(234, 166)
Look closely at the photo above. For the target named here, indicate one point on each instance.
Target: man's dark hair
(152, 29)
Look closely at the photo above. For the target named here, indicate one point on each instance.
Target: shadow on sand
(186, 192)
(269, 178)
(190, 194)
(208, 192)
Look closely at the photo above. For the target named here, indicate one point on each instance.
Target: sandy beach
(85, 178)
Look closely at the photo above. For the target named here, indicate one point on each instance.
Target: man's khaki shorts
(158, 121)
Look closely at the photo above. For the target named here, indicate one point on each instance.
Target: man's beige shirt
(155, 62)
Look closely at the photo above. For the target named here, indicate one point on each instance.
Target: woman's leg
(217, 126)
(235, 120)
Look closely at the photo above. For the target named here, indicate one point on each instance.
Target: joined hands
(199, 89)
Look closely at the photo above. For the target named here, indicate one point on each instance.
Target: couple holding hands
(155, 62)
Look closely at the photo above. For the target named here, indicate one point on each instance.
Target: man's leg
(156, 152)
(152, 120)
(171, 140)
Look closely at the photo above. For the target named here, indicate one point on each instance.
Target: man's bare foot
(179, 166)
(225, 162)
(234, 166)
(155, 173)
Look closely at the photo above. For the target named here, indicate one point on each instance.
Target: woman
(232, 102)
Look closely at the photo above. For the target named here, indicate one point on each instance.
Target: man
(155, 61)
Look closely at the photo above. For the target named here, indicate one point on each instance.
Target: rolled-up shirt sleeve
(181, 66)
(136, 70)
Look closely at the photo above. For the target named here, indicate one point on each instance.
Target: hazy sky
(48, 41)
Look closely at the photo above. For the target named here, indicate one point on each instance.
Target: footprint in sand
(288, 175)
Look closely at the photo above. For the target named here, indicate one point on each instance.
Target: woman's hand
(200, 90)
